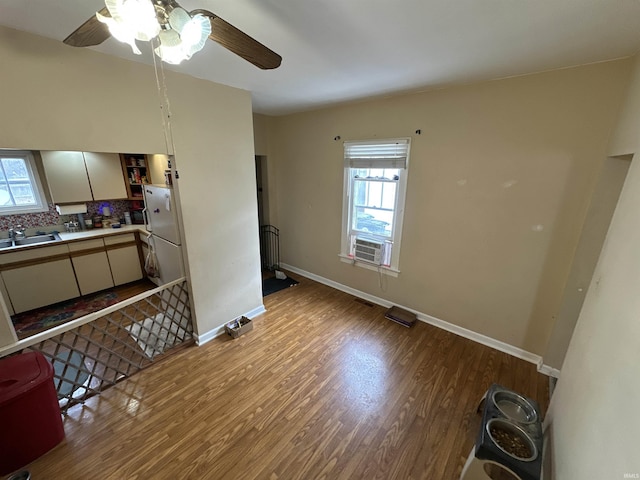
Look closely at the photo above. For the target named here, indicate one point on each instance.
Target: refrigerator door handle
(145, 219)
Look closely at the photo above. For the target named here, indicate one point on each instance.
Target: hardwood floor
(322, 387)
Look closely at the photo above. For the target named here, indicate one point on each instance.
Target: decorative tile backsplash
(29, 220)
(51, 217)
(117, 207)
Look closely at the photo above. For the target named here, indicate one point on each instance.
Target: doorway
(261, 184)
(267, 259)
(273, 280)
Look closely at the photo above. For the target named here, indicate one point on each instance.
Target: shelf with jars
(136, 173)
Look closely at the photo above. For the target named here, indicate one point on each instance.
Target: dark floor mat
(273, 285)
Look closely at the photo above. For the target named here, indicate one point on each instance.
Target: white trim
(259, 310)
(34, 181)
(210, 335)
(217, 331)
(376, 268)
(547, 370)
(423, 317)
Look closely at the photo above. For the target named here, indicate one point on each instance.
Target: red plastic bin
(30, 419)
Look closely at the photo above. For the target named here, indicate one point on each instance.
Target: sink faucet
(16, 232)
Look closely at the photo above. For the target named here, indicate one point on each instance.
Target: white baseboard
(215, 332)
(255, 312)
(547, 370)
(449, 327)
(210, 335)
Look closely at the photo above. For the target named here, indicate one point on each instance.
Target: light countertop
(100, 232)
(66, 237)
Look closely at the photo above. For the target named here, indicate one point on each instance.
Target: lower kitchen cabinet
(5, 295)
(93, 272)
(41, 284)
(125, 264)
(37, 277)
(91, 264)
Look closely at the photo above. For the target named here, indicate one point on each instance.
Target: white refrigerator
(164, 233)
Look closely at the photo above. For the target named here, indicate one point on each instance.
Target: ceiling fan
(177, 32)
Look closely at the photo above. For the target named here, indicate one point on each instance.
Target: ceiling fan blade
(240, 43)
(92, 32)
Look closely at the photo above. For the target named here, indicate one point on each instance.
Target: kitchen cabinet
(83, 176)
(105, 175)
(137, 173)
(124, 258)
(66, 176)
(5, 295)
(91, 264)
(38, 277)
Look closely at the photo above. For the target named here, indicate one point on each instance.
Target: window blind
(376, 154)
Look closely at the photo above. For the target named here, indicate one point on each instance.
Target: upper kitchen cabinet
(83, 176)
(66, 176)
(105, 175)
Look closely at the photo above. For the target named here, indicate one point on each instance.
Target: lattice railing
(96, 352)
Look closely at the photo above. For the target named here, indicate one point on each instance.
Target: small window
(20, 187)
(374, 194)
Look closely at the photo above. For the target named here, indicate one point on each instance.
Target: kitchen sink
(36, 239)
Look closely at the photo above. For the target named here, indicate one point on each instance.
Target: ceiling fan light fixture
(185, 36)
(178, 18)
(169, 39)
(195, 32)
(171, 49)
(131, 20)
(120, 32)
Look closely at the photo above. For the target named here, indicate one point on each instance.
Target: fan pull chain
(165, 107)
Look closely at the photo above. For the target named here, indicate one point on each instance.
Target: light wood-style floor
(323, 387)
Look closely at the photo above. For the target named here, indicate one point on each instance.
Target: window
(375, 181)
(20, 187)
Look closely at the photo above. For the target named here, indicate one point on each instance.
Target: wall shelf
(136, 173)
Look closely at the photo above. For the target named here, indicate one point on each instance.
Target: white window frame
(38, 192)
(377, 160)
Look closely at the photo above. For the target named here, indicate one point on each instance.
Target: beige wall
(593, 421)
(263, 131)
(57, 97)
(494, 161)
(261, 134)
(593, 417)
(603, 203)
(625, 138)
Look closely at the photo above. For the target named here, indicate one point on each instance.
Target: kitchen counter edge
(70, 237)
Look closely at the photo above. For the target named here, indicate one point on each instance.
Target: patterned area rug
(35, 321)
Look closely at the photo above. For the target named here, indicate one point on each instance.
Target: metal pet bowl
(515, 407)
(512, 440)
(23, 475)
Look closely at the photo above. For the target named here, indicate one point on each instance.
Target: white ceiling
(341, 50)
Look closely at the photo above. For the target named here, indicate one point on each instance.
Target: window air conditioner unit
(369, 250)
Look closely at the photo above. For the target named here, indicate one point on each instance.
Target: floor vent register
(401, 316)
